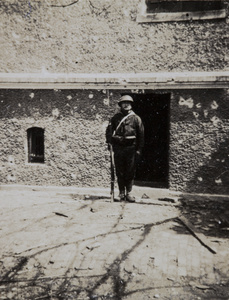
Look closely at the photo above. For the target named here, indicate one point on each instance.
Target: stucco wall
(199, 144)
(75, 149)
(103, 36)
(74, 124)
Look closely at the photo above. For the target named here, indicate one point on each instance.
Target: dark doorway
(153, 168)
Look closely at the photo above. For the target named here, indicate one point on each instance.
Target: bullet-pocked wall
(103, 36)
(199, 143)
(74, 123)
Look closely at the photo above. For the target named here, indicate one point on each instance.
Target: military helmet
(125, 98)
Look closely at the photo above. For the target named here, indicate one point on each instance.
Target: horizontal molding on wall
(181, 16)
(160, 80)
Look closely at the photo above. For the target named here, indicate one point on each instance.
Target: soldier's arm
(109, 132)
(140, 135)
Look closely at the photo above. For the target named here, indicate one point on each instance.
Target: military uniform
(127, 139)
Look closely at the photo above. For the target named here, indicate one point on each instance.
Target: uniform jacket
(130, 128)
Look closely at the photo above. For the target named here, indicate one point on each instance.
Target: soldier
(125, 133)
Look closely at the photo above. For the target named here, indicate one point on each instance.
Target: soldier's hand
(138, 153)
(138, 157)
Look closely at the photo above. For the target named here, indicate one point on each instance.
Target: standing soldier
(125, 133)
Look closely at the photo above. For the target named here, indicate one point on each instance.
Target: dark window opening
(155, 6)
(35, 137)
(180, 10)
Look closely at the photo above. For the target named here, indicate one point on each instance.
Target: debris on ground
(202, 287)
(171, 279)
(144, 196)
(172, 200)
(60, 214)
(51, 262)
(199, 236)
(199, 286)
(94, 246)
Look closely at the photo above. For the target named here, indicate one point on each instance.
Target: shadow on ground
(208, 216)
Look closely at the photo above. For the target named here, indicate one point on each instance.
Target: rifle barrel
(112, 173)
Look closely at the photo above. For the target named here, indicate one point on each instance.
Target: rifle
(112, 172)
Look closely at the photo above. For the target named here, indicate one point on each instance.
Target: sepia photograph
(114, 150)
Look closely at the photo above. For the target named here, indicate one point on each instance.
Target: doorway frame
(157, 93)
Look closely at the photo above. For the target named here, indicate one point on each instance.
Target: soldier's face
(126, 106)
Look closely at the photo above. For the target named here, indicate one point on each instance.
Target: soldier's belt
(119, 137)
(124, 141)
(130, 137)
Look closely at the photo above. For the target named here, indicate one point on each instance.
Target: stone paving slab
(54, 246)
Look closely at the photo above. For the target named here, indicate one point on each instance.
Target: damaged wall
(199, 144)
(103, 36)
(75, 150)
(74, 124)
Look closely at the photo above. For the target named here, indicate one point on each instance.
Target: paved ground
(62, 245)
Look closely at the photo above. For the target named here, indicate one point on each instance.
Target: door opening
(153, 167)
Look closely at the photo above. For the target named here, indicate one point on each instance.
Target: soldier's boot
(122, 196)
(121, 187)
(129, 196)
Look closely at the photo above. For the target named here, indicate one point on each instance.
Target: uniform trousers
(125, 158)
